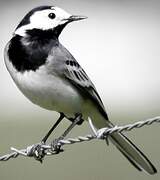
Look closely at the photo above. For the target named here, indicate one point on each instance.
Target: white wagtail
(49, 76)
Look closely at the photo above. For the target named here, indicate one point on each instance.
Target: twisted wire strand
(43, 149)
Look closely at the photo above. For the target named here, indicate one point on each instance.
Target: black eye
(51, 15)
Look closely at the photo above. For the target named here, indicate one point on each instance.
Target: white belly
(48, 91)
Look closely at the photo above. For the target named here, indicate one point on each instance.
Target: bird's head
(45, 18)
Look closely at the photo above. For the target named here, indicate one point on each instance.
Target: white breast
(47, 90)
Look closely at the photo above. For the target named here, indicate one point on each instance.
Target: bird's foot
(37, 151)
(56, 146)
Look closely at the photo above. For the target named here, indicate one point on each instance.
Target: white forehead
(40, 15)
(40, 20)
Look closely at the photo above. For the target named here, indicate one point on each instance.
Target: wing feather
(76, 75)
(67, 67)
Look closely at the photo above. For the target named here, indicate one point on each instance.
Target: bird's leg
(37, 151)
(43, 141)
(77, 119)
(56, 147)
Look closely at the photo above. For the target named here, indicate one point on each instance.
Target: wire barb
(39, 151)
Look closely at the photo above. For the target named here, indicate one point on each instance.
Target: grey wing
(74, 73)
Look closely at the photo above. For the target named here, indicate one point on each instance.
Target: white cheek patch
(40, 20)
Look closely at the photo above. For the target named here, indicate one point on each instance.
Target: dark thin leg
(55, 142)
(53, 127)
(75, 122)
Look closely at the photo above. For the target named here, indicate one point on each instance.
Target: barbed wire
(39, 151)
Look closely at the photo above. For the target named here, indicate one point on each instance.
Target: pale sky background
(119, 48)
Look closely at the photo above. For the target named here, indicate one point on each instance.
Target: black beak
(75, 18)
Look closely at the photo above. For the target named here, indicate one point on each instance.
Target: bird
(50, 77)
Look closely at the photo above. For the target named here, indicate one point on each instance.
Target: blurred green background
(119, 46)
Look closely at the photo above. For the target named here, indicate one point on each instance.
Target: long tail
(132, 153)
(126, 147)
